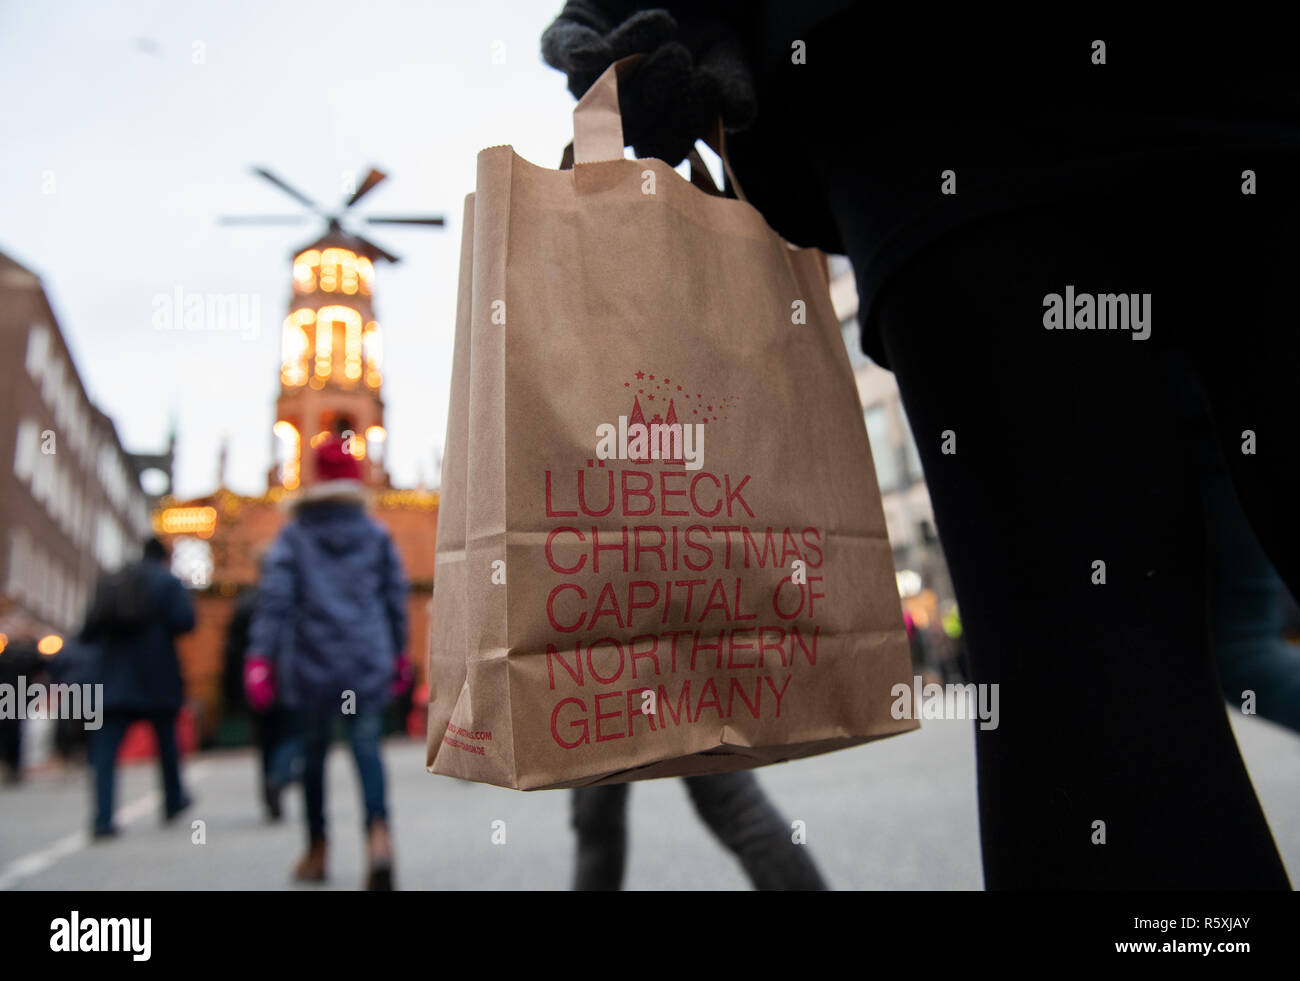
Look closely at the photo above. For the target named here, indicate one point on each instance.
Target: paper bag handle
(598, 123)
(700, 175)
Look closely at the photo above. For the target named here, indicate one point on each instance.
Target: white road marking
(38, 861)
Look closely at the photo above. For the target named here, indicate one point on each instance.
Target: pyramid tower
(331, 363)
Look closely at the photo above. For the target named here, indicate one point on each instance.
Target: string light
(372, 347)
(294, 345)
(304, 271)
(326, 318)
(201, 521)
(324, 345)
(290, 468)
(338, 270)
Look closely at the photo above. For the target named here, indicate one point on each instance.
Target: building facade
(923, 582)
(71, 505)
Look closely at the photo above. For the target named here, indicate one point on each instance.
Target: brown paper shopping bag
(447, 621)
(673, 559)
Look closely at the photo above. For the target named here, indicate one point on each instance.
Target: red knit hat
(333, 462)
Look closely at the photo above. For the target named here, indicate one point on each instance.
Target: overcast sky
(130, 126)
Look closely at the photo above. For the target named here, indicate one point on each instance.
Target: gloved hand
(692, 72)
(404, 676)
(259, 682)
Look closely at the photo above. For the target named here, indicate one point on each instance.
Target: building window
(38, 350)
(192, 562)
(26, 449)
(110, 543)
(911, 458)
(16, 585)
(852, 332)
(883, 452)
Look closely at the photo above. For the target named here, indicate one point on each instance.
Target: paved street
(899, 814)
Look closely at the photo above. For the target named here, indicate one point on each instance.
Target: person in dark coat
(76, 664)
(18, 658)
(975, 173)
(134, 619)
(279, 747)
(329, 638)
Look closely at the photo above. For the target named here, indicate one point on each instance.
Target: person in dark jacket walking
(329, 636)
(134, 619)
(980, 177)
(18, 658)
(275, 729)
(77, 663)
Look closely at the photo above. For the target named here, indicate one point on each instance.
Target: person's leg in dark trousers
(104, 744)
(363, 731)
(264, 732)
(1246, 606)
(599, 819)
(11, 749)
(1246, 356)
(317, 731)
(737, 811)
(278, 751)
(1246, 353)
(262, 735)
(169, 762)
(285, 762)
(1063, 451)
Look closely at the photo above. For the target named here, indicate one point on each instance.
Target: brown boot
(379, 858)
(311, 867)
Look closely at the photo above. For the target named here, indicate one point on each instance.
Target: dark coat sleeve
(277, 592)
(178, 609)
(232, 678)
(395, 592)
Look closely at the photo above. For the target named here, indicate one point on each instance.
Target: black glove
(693, 72)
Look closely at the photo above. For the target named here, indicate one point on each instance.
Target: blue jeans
(363, 731)
(104, 745)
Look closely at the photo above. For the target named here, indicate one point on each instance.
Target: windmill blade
(382, 253)
(288, 189)
(263, 219)
(406, 221)
(372, 179)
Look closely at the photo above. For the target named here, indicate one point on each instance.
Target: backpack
(121, 602)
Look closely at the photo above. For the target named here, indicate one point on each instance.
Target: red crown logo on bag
(638, 418)
(666, 437)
